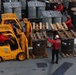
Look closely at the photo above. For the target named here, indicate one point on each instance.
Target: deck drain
(41, 65)
(43, 69)
(1, 71)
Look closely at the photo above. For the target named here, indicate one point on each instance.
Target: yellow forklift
(13, 21)
(17, 50)
(11, 18)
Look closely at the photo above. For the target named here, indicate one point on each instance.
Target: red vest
(3, 38)
(56, 43)
(69, 23)
(59, 8)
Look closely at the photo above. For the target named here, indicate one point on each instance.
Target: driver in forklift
(5, 40)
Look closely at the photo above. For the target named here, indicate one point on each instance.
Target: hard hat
(56, 36)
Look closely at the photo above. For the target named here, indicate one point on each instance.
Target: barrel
(71, 4)
(39, 48)
(74, 20)
(67, 46)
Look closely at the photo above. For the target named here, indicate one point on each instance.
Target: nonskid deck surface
(38, 66)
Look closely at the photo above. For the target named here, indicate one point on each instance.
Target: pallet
(45, 55)
(58, 27)
(40, 26)
(67, 34)
(65, 55)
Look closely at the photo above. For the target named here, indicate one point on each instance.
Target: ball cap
(56, 36)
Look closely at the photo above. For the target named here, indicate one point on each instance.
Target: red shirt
(3, 38)
(59, 8)
(56, 43)
(69, 23)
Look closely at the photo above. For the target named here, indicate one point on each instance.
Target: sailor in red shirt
(56, 43)
(69, 22)
(59, 7)
(5, 40)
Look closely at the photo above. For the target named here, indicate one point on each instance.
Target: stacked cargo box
(51, 16)
(13, 7)
(35, 7)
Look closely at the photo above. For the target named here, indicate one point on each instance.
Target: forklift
(18, 50)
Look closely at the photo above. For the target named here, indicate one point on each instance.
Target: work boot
(56, 62)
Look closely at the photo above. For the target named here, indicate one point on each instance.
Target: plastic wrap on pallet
(51, 16)
(7, 7)
(16, 4)
(23, 3)
(46, 17)
(36, 3)
(12, 4)
(35, 7)
(55, 14)
(13, 7)
(18, 12)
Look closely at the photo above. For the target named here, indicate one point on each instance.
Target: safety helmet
(56, 36)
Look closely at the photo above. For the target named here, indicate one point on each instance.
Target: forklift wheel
(1, 59)
(21, 56)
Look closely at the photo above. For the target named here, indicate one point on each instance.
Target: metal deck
(37, 66)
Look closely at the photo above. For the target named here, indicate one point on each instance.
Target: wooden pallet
(40, 26)
(67, 34)
(45, 55)
(65, 55)
(57, 26)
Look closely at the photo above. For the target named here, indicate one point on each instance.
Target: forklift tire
(1, 59)
(21, 56)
